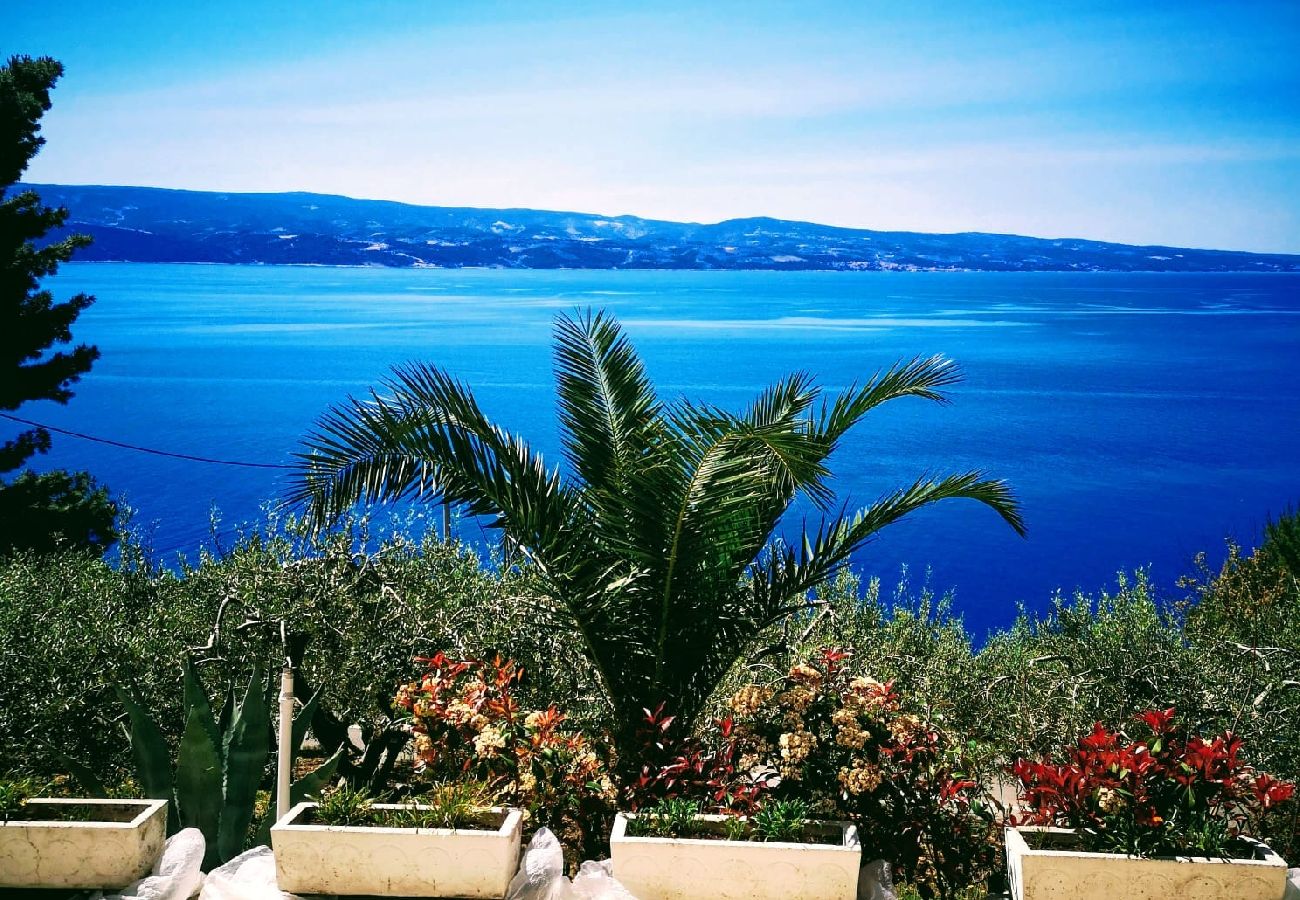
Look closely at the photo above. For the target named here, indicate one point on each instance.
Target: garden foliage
(1225, 653)
(843, 747)
(468, 723)
(1165, 793)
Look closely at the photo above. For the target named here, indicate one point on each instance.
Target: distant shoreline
(847, 272)
(135, 224)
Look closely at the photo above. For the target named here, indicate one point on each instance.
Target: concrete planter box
(396, 862)
(1061, 874)
(119, 843)
(654, 868)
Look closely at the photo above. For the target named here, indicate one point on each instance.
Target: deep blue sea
(1140, 418)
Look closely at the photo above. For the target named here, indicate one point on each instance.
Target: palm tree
(656, 545)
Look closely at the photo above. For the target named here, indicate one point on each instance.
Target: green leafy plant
(1170, 792)
(657, 549)
(344, 806)
(781, 820)
(673, 817)
(456, 804)
(678, 817)
(824, 738)
(220, 763)
(736, 828)
(453, 804)
(468, 724)
(14, 794)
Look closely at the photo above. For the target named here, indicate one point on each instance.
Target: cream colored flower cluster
(489, 741)
(750, 699)
(852, 735)
(869, 697)
(1110, 800)
(461, 713)
(796, 745)
(861, 778)
(806, 675)
(905, 728)
(796, 699)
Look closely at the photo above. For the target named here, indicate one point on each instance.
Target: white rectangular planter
(654, 868)
(1076, 875)
(90, 854)
(395, 862)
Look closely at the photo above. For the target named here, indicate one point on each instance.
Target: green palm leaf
(656, 545)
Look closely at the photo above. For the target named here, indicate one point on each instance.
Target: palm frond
(778, 419)
(741, 474)
(607, 405)
(428, 439)
(780, 583)
(918, 377)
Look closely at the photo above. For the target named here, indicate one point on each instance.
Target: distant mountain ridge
(139, 224)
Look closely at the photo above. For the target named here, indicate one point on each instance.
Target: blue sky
(1174, 123)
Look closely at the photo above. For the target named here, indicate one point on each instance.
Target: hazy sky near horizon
(1165, 122)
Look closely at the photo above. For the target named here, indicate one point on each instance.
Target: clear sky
(1174, 123)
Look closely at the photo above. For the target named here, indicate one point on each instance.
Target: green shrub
(1226, 655)
(72, 626)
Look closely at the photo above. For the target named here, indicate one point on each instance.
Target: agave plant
(655, 544)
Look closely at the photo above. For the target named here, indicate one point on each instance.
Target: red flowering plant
(845, 746)
(468, 724)
(1166, 793)
(703, 768)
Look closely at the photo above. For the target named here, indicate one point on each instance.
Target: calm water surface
(1141, 418)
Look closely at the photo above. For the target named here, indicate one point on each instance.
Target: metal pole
(284, 761)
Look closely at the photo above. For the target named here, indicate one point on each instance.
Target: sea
(1140, 418)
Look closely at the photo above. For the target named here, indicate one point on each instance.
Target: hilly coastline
(139, 224)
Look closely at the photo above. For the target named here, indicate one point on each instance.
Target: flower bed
(823, 866)
(1166, 813)
(76, 843)
(845, 746)
(1065, 871)
(468, 725)
(394, 861)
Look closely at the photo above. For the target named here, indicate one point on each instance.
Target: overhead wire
(139, 449)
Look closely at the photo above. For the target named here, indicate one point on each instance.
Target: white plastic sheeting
(541, 875)
(876, 882)
(176, 876)
(1293, 884)
(595, 881)
(249, 876)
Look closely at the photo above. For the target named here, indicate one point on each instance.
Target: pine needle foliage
(53, 509)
